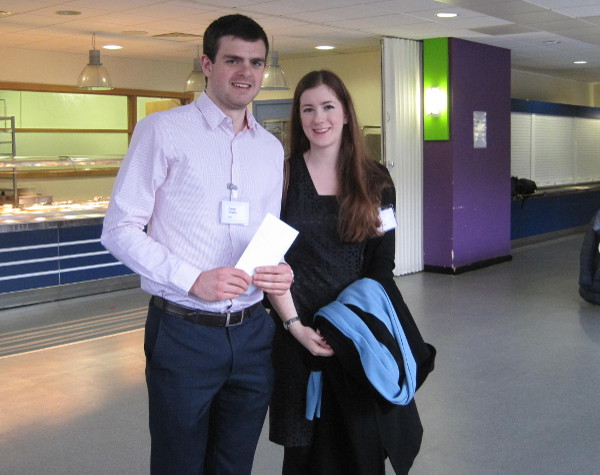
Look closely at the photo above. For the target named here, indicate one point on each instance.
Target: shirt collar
(215, 116)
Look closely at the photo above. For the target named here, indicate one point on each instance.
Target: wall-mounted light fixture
(196, 81)
(436, 89)
(94, 76)
(274, 78)
(435, 101)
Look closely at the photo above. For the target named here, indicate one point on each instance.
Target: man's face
(235, 77)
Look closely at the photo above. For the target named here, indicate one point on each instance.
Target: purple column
(467, 189)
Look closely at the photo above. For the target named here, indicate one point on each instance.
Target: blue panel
(92, 274)
(28, 283)
(28, 238)
(271, 109)
(40, 237)
(86, 261)
(51, 237)
(551, 213)
(552, 108)
(27, 254)
(28, 268)
(80, 233)
(81, 248)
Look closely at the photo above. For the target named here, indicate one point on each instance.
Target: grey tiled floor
(515, 390)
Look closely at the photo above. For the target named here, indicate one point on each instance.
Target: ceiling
(545, 36)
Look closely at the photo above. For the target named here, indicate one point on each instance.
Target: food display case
(14, 171)
(50, 244)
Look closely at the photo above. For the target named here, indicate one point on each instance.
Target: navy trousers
(208, 393)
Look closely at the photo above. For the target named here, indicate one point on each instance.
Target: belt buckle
(228, 316)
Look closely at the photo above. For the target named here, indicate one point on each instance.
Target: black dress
(323, 266)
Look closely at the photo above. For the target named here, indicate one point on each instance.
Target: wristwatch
(287, 323)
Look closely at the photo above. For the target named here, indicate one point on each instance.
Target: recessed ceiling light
(112, 47)
(551, 42)
(324, 47)
(580, 62)
(446, 15)
(68, 12)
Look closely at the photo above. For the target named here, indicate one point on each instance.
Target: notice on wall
(479, 129)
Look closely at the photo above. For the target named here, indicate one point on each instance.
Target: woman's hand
(274, 280)
(310, 339)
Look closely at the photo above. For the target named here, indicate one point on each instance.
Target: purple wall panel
(474, 217)
(437, 210)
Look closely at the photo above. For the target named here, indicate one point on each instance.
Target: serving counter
(50, 250)
(556, 209)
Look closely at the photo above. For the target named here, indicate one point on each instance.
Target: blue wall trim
(552, 213)
(552, 108)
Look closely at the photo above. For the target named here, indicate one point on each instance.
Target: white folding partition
(403, 145)
(555, 150)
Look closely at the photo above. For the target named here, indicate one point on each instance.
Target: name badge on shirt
(235, 212)
(388, 219)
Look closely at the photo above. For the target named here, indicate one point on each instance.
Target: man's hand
(220, 284)
(274, 280)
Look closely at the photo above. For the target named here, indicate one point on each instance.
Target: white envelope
(268, 246)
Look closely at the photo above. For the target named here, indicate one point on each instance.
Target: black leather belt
(201, 317)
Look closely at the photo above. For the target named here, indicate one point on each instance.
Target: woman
(334, 197)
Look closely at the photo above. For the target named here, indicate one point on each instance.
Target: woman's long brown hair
(361, 180)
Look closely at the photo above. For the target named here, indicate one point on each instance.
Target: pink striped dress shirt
(173, 179)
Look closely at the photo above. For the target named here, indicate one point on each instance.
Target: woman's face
(322, 116)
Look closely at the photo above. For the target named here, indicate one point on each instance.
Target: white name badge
(235, 212)
(388, 219)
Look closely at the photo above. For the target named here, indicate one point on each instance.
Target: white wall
(596, 94)
(21, 65)
(361, 72)
(541, 87)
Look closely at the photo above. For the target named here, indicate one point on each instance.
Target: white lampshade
(196, 81)
(274, 78)
(94, 76)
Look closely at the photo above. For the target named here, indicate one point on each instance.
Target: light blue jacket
(379, 364)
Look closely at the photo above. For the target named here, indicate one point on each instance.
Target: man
(201, 178)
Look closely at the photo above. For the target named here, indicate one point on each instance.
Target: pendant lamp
(196, 81)
(94, 76)
(274, 78)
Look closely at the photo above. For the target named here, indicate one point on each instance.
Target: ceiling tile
(297, 24)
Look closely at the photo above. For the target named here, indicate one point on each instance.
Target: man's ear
(207, 65)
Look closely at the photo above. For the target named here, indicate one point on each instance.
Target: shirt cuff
(185, 276)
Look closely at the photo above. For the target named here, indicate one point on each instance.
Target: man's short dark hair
(238, 26)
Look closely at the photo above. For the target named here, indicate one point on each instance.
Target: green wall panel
(435, 74)
(73, 111)
(51, 144)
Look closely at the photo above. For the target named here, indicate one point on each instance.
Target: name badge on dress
(235, 212)
(388, 219)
